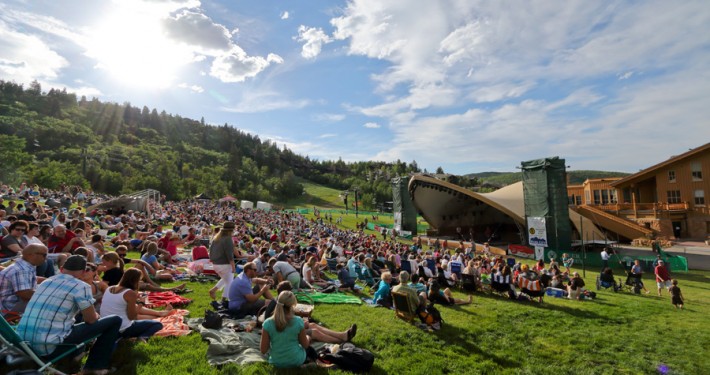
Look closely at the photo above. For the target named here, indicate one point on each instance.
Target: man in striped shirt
(49, 318)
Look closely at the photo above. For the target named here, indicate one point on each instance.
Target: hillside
(54, 138)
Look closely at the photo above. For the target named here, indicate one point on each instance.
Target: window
(700, 197)
(671, 176)
(696, 171)
(605, 196)
(673, 196)
(597, 197)
(579, 200)
(612, 194)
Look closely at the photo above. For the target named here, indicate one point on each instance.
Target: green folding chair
(17, 351)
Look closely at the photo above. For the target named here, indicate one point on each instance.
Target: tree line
(53, 137)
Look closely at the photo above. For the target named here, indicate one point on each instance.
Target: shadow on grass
(130, 357)
(465, 347)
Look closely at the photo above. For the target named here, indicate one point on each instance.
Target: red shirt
(56, 244)
(662, 273)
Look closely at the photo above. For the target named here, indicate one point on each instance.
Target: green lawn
(618, 333)
(316, 195)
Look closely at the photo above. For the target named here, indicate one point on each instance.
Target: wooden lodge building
(669, 199)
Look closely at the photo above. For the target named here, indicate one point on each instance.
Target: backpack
(351, 358)
(431, 317)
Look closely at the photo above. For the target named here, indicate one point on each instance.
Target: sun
(134, 50)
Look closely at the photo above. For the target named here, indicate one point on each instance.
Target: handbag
(212, 320)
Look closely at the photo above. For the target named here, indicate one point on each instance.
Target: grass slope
(316, 195)
(618, 333)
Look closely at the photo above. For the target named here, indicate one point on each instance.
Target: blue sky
(471, 86)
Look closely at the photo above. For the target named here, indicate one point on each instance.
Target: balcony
(647, 210)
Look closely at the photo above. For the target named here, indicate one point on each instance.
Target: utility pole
(356, 197)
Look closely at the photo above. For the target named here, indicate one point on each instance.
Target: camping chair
(468, 282)
(17, 351)
(456, 269)
(402, 308)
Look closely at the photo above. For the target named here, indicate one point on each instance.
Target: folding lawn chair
(406, 266)
(17, 351)
(402, 308)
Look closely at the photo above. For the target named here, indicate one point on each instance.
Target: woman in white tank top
(122, 300)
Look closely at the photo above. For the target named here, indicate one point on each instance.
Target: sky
(467, 85)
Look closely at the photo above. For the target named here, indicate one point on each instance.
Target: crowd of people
(62, 255)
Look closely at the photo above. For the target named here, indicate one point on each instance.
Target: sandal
(352, 331)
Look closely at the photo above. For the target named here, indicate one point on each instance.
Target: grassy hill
(316, 195)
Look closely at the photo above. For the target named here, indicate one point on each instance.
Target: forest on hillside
(53, 137)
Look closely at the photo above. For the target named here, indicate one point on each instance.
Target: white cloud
(327, 135)
(329, 117)
(284, 15)
(194, 88)
(372, 125)
(198, 30)
(314, 39)
(24, 57)
(237, 66)
(264, 101)
(626, 75)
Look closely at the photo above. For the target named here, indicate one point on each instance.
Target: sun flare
(134, 50)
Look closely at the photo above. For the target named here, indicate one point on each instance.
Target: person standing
(49, 318)
(676, 295)
(222, 257)
(663, 277)
(605, 259)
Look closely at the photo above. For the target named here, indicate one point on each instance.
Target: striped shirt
(49, 315)
(19, 276)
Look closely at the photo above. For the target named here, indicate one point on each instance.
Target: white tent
(266, 206)
(247, 204)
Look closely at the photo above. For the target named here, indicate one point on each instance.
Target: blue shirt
(285, 350)
(49, 315)
(241, 286)
(383, 291)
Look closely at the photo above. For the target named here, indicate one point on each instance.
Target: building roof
(648, 172)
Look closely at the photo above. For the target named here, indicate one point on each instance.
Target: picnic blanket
(226, 345)
(174, 324)
(159, 299)
(331, 298)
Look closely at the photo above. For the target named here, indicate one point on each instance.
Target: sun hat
(229, 225)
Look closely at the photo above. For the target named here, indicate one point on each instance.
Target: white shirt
(605, 255)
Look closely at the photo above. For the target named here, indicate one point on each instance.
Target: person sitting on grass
(368, 274)
(122, 300)
(314, 331)
(576, 287)
(156, 270)
(284, 335)
(346, 282)
(311, 273)
(383, 295)
(283, 270)
(445, 297)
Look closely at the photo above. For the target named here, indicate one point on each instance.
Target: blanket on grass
(159, 299)
(174, 324)
(332, 298)
(227, 345)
